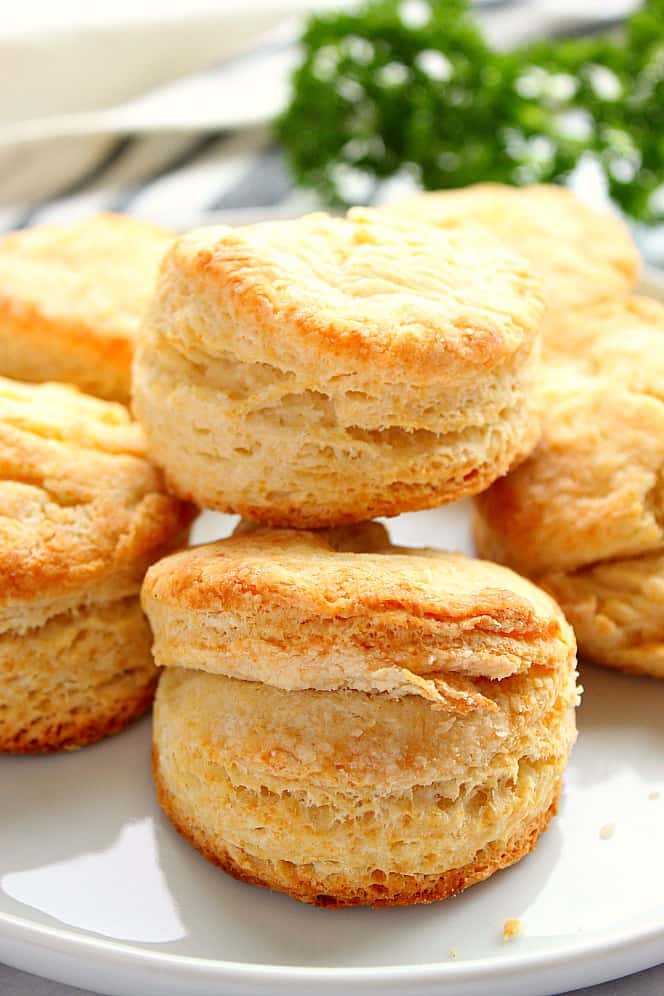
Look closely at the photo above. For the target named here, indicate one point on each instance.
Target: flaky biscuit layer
(359, 798)
(322, 371)
(337, 889)
(617, 610)
(81, 676)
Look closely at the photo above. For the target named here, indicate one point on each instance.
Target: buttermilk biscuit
(72, 298)
(355, 723)
(584, 516)
(321, 371)
(82, 515)
(583, 256)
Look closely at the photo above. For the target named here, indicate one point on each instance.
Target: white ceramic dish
(97, 890)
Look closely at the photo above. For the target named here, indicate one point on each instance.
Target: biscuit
(72, 298)
(383, 727)
(325, 370)
(582, 255)
(584, 515)
(82, 516)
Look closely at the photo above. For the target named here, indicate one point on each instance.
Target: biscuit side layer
(82, 676)
(319, 787)
(286, 449)
(584, 515)
(340, 891)
(71, 300)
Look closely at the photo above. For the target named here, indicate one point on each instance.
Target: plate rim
(611, 943)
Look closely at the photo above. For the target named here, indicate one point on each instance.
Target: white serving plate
(97, 890)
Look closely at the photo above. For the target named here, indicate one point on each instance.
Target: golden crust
(81, 676)
(583, 256)
(312, 610)
(82, 512)
(72, 298)
(339, 892)
(319, 292)
(584, 515)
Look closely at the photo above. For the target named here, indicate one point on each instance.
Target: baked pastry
(584, 515)
(582, 255)
(72, 298)
(325, 370)
(82, 515)
(354, 723)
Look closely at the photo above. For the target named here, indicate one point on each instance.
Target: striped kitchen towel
(165, 112)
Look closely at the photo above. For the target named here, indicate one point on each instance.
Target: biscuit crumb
(654, 794)
(607, 831)
(511, 929)
(454, 952)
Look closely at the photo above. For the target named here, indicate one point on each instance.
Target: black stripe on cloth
(118, 149)
(125, 198)
(264, 184)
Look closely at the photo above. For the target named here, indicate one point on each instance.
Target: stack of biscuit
(583, 516)
(355, 723)
(83, 512)
(340, 719)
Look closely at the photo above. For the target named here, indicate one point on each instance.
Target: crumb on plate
(511, 929)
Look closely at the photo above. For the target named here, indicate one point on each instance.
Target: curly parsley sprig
(412, 86)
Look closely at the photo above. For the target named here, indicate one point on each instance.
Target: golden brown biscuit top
(311, 610)
(345, 294)
(582, 255)
(97, 274)
(79, 502)
(594, 487)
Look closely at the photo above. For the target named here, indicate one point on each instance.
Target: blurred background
(232, 109)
